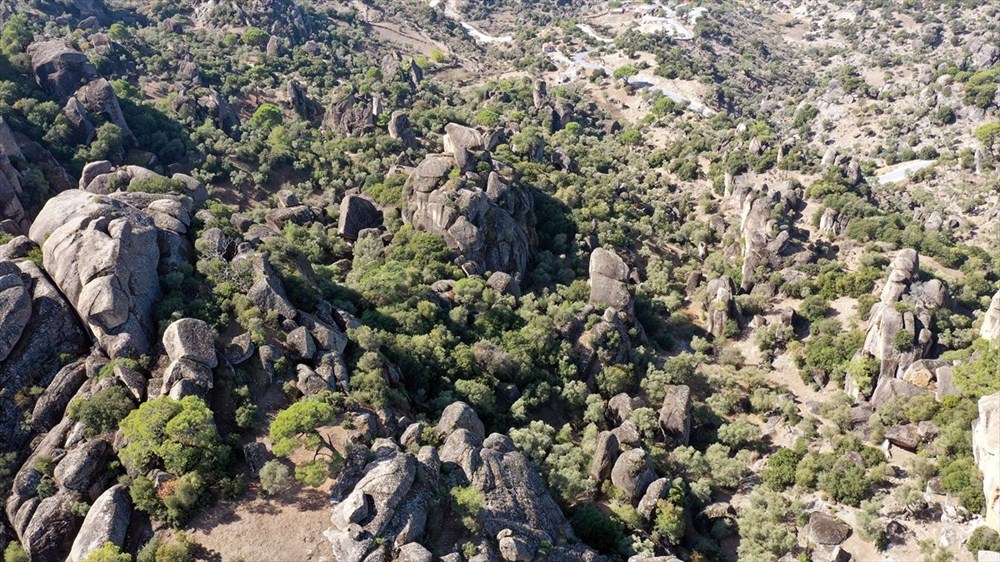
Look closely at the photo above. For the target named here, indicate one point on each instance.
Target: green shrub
(15, 553)
(274, 477)
(102, 411)
(779, 473)
(983, 538)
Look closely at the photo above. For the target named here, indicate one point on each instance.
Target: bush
(15, 553)
(157, 185)
(313, 473)
(468, 503)
(109, 552)
(779, 473)
(739, 433)
(274, 477)
(599, 531)
(102, 411)
(814, 307)
(983, 538)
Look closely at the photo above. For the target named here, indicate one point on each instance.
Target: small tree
(274, 477)
(468, 503)
(109, 552)
(625, 72)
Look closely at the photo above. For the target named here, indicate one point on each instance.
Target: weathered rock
(513, 548)
(400, 129)
(49, 535)
(413, 552)
(632, 474)
(79, 119)
(605, 455)
(81, 466)
(192, 339)
(986, 450)
(656, 491)
(103, 254)
(826, 529)
(488, 224)
(763, 240)
(890, 389)
(106, 521)
(720, 306)
(99, 98)
(59, 69)
(52, 403)
(15, 307)
(460, 415)
(990, 329)
(300, 344)
(904, 436)
(356, 214)
(350, 114)
(608, 280)
(675, 414)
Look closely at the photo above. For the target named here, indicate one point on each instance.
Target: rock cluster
(64, 72)
(382, 510)
(905, 303)
(764, 239)
(190, 345)
(721, 306)
(103, 253)
(474, 202)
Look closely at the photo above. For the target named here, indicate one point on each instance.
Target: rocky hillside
(514, 281)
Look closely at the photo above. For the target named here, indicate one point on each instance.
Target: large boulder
(763, 239)
(986, 451)
(103, 254)
(356, 214)
(460, 415)
(721, 306)
(82, 466)
(990, 329)
(106, 521)
(632, 474)
(192, 339)
(888, 318)
(350, 114)
(49, 535)
(605, 455)
(485, 217)
(15, 307)
(608, 280)
(675, 413)
(99, 98)
(827, 530)
(13, 219)
(58, 68)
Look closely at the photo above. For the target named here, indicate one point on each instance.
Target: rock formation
(763, 238)
(721, 306)
(103, 253)
(986, 450)
(990, 330)
(475, 203)
(905, 303)
(608, 281)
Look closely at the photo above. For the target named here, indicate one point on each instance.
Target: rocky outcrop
(13, 219)
(605, 455)
(400, 129)
(905, 303)
(99, 98)
(356, 214)
(632, 474)
(675, 414)
(764, 238)
(990, 329)
(721, 306)
(32, 359)
(50, 533)
(103, 253)
(190, 345)
(826, 529)
(60, 69)
(986, 450)
(350, 114)
(609, 280)
(475, 203)
(106, 521)
(384, 508)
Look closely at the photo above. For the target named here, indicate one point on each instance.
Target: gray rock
(49, 535)
(80, 468)
(103, 255)
(192, 339)
(99, 98)
(106, 521)
(400, 129)
(720, 306)
(608, 277)
(59, 69)
(513, 548)
(632, 474)
(460, 415)
(240, 349)
(675, 413)
(413, 552)
(826, 529)
(350, 114)
(356, 214)
(605, 455)
(15, 307)
(79, 119)
(654, 493)
(300, 344)
(986, 451)
(990, 328)
(904, 436)
(890, 389)
(52, 403)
